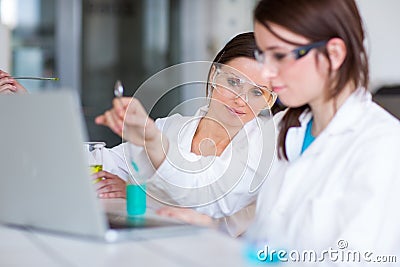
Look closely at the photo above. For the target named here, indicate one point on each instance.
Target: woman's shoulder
(378, 120)
(367, 116)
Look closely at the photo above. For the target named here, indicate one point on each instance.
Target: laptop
(45, 181)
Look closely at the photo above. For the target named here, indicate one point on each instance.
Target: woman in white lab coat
(200, 173)
(336, 181)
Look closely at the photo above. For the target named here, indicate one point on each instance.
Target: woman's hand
(10, 86)
(129, 119)
(114, 117)
(109, 185)
(186, 215)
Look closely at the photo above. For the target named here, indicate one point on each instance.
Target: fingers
(20, 88)
(100, 120)
(6, 80)
(8, 85)
(121, 104)
(114, 122)
(111, 120)
(106, 175)
(136, 115)
(5, 91)
(129, 119)
(114, 118)
(112, 195)
(137, 120)
(4, 74)
(111, 186)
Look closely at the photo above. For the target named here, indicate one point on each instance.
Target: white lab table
(204, 247)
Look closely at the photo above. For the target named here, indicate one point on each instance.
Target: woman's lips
(277, 89)
(235, 111)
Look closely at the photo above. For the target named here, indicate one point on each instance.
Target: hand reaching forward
(10, 86)
(186, 215)
(128, 119)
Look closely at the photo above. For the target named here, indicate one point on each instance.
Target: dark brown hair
(319, 20)
(242, 45)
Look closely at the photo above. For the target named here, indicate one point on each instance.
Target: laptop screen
(45, 179)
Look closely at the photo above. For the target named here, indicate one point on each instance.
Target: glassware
(136, 187)
(94, 152)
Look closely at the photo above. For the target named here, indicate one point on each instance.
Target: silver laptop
(45, 180)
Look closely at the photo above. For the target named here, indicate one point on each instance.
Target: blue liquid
(135, 166)
(135, 199)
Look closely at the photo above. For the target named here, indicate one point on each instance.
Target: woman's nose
(268, 71)
(241, 99)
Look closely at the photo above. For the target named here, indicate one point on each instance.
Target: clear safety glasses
(232, 85)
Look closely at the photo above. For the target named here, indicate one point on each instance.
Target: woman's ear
(211, 77)
(337, 52)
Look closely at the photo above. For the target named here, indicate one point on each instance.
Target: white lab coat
(212, 185)
(345, 186)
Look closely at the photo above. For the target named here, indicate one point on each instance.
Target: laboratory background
(89, 44)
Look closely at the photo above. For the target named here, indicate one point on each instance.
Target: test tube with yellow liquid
(94, 152)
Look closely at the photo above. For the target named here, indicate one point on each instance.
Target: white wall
(382, 21)
(5, 49)
(207, 26)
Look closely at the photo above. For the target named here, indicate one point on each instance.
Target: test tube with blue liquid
(136, 192)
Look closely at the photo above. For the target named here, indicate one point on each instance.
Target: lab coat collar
(344, 120)
(202, 111)
(295, 136)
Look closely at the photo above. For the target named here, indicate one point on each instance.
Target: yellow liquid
(94, 169)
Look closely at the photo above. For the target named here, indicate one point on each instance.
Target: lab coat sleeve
(217, 186)
(118, 160)
(376, 183)
(366, 214)
(236, 224)
(114, 162)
